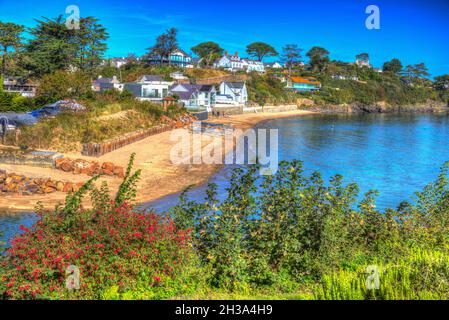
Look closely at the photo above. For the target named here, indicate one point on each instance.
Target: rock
(108, 166)
(60, 186)
(51, 184)
(49, 189)
(67, 166)
(119, 172)
(59, 162)
(107, 172)
(68, 187)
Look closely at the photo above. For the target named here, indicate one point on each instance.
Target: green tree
(421, 71)
(207, 51)
(51, 48)
(90, 41)
(260, 50)
(362, 57)
(10, 37)
(442, 82)
(319, 58)
(62, 85)
(291, 55)
(165, 45)
(393, 66)
(55, 47)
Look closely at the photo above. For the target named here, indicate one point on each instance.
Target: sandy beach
(160, 177)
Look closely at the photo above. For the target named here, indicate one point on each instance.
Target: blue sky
(413, 31)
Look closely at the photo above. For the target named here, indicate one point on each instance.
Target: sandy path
(159, 176)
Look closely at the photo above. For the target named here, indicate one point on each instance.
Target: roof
(305, 80)
(149, 78)
(235, 85)
(103, 80)
(191, 89)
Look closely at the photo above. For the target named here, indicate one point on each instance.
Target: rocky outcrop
(90, 168)
(382, 107)
(20, 184)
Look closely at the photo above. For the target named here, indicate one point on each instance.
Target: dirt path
(160, 177)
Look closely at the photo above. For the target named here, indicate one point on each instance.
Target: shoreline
(159, 177)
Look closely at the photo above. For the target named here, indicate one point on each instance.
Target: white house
(234, 63)
(195, 96)
(233, 91)
(273, 65)
(178, 76)
(118, 62)
(344, 77)
(230, 62)
(149, 88)
(253, 65)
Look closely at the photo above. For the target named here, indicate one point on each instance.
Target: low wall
(201, 116)
(218, 80)
(13, 155)
(227, 110)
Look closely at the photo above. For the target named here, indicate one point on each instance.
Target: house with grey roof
(235, 92)
(195, 96)
(149, 88)
(101, 84)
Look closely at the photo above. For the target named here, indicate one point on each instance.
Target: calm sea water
(394, 154)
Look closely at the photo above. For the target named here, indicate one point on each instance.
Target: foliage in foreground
(286, 236)
(293, 231)
(116, 249)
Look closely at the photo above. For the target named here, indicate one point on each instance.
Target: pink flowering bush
(112, 245)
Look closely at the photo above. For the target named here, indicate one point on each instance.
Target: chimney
(226, 53)
(236, 53)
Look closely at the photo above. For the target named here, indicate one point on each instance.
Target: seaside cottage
(118, 62)
(15, 85)
(101, 84)
(234, 63)
(273, 65)
(303, 84)
(178, 58)
(231, 63)
(233, 92)
(195, 96)
(253, 65)
(149, 88)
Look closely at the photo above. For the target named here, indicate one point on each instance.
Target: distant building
(344, 77)
(195, 95)
(253, 65)
(178, 76)
(118, 62)
(102, 84)
(228, 62)
(178, 58)
(303, 84)
(233, 92)
(273, 65)
(363, 63)
(234, 63)
(149, 88)
(24, 88)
